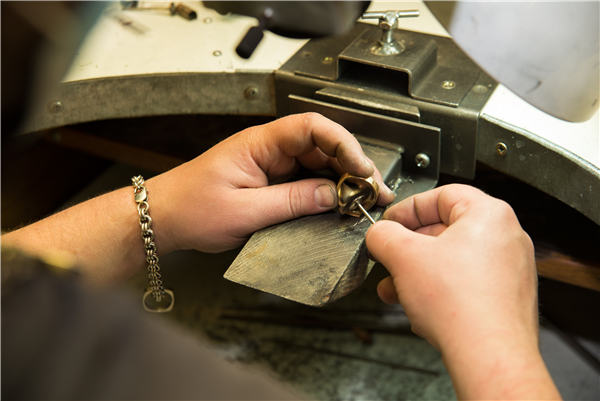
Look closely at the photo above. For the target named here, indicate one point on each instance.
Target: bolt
(207, 20)
(55, 106)
(217, 53)
(327, 60)
(252, 92)
(480, 89)
(501, 148)
(422, 160)
(448, 85)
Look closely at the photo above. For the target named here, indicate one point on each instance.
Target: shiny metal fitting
(353, 190)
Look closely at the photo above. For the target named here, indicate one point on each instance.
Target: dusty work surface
(357, 348)
(318, 352)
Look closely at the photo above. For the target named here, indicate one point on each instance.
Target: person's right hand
(464, 271)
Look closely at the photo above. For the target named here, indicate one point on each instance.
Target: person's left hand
(216, 201)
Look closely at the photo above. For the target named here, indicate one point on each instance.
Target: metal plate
(154, 95)
(413, 137)
(542, 165)
(383, 90)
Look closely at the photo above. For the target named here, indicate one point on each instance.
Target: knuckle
(295, 202)
(505, 211)
(311, 117)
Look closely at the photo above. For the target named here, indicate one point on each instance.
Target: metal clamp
(388, 21)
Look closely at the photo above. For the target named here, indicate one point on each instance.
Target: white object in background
(545, 52)
(581, 139)
(174, 45)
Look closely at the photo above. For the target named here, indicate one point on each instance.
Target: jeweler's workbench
(164, 74)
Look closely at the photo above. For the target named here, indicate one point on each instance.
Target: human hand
(216, 201)
(464, 271)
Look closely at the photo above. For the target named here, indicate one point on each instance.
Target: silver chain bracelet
(164, 298)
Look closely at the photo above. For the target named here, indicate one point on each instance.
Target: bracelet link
(163, 299)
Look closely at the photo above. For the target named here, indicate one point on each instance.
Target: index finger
(299, 134)
(440, 205)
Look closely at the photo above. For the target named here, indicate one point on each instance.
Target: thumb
(278, 203)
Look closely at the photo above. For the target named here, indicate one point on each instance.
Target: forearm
(102, 235)
(509, 368)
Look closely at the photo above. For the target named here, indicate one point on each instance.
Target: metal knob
(357, 194)
(388, 21)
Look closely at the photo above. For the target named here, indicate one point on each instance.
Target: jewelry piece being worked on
(164, 298)
(357, 195)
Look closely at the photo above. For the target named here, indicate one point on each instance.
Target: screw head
(480, 89)
(327, 60)
(252, 92)
(217, 53)
(448, 84)
(422, 160)
(55, 106)
(207, 20)
(501, 148)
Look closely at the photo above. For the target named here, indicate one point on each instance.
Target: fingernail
(324, 196)
(371, 257)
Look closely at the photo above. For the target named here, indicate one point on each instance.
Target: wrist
(161, 213)
(506, 365)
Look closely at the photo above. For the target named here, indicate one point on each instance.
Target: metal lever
(254, 35)
(388, 21)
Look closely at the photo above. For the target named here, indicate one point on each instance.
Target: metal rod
(367, 215)
(408, 14)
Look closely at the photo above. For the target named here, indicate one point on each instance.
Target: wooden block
(315, 267)
(556, 266)
(112, 150)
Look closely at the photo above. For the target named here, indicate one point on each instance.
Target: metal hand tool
(173, 8)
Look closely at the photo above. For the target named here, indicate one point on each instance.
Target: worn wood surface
(297, 262)
(112, 150)
(556, 266)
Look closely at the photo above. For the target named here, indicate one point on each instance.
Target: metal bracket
(430, 82)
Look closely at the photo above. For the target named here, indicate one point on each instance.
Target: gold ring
(351, 187)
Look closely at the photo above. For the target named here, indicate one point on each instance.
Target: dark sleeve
(61, 340)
